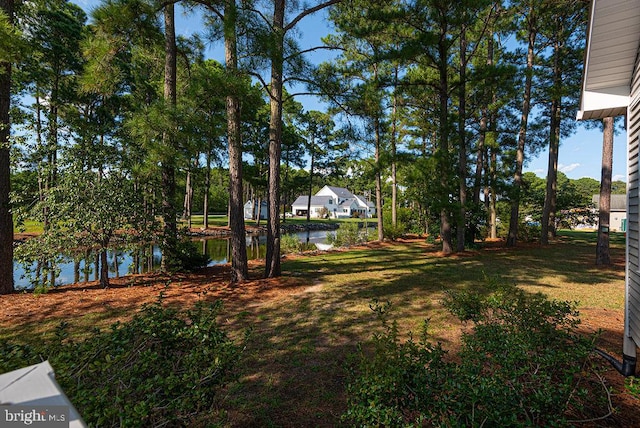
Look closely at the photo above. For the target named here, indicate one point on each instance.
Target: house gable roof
(613, 37)
(340, 192)
(351, 202)
(315, 201)
(618, 202)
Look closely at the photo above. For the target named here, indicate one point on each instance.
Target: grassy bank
(306, 325)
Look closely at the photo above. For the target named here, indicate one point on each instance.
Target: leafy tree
(55, 30)
(564, 33)
(319, 133)
(7, 33)
(86, 209)
(530, 12)
(273, 45)
(587, 187)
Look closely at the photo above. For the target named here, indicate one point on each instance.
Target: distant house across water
(334, 202)
(251, 212)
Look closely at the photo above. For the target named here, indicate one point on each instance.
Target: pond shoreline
(223, 231)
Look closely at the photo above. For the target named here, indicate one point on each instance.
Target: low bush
(520, 365)
(164, 367)
(290, 244)
(348, 234)
(189, 256)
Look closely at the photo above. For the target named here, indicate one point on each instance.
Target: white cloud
(568, 168)
(619, 177)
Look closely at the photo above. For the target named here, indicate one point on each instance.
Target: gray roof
(618, 202)
(341, 192)
(348, 202)
(370, 204)
(315, 200)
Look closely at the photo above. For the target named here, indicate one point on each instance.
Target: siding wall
(632, 315)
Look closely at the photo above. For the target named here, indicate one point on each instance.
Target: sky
(580, 155)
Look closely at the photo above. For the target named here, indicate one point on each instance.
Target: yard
(306, 323)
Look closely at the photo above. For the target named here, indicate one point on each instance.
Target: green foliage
(409, 221)
(633, 386)
(12, 44)
(88, 210)
(290, 244)
(163, 367)
(521, 365)
(189, 256)
(386, 386)
(348, 234)
(529, 231)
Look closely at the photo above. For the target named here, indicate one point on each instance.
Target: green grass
(293, 370)
(30, 226)
(223, 220)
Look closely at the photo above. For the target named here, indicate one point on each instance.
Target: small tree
(86, 210)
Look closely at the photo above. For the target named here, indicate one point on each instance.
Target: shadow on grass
(293, 372)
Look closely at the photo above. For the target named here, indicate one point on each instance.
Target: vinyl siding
(632, 316)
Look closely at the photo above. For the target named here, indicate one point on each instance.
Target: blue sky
(579, 156)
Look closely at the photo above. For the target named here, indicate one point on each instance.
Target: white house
(335, 202)
(611, 87)
(617, 210)
(251, 213)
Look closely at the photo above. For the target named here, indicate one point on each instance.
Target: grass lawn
(223, 220)
(197, 221)
(307, 323)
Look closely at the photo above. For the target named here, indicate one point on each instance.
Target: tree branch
(316, 48)
(306, 12)
(264, 84)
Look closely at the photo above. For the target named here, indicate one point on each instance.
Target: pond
(147, 259)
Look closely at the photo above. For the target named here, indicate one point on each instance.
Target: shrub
(527, 231)
(290, 244)
(164, 367)
(519, 366)
(189, 256)
(347, 234)
(633, 386)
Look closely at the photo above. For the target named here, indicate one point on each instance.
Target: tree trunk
(522, 133)
(207, 189)
(238, 242)
(378, 179)
(104, 269)
(492, 200)
(272, 265)
(258, 210)
(394, 142)
(603, 256)
(42, 179)
(6, 218)
(188, 199)
(549, 210)
(443, 149)
(313, 152)
(462, 149)
(170, 228)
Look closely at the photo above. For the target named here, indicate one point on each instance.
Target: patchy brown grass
(307, 322)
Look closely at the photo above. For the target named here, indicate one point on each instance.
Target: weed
(164, 366)
(520, 365)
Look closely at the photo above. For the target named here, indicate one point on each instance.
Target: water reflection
(85, 267)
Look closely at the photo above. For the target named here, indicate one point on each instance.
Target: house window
(330, 201)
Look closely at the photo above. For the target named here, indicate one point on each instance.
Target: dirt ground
(129, 293)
